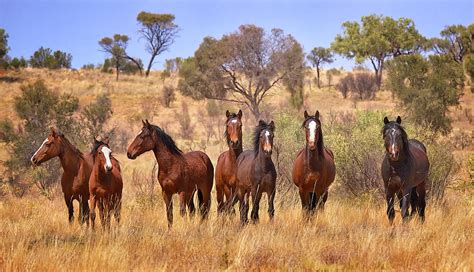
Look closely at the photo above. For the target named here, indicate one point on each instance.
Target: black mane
(69, 144)
(262, 125)
(396, 125)
(167, 140)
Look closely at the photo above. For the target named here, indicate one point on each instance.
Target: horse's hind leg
(220, 199)
(256, 197)
(413, 201)
(182, 203)
(421, 190)
(244, 207)
(190, 203)
(85, 211)
(118, 209)
(204, 197)
(93, 205)
(324, 198)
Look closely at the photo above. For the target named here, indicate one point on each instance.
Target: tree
(159, 31)
(456, 41)
(427, 88)
(17, 63)
(3, 43)
(116, 47)
(241, 67)
(330, 75)
(377, 39)
(45, 58)
(318, 57)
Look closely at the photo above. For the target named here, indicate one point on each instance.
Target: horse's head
(50, 148)
(102, 154)
(264, 137)
(312, 128)
(233, 130)
(143, 142)
(395, 138)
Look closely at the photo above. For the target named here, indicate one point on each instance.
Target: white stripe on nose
(312, 130)
(44, 142)
(108, 164)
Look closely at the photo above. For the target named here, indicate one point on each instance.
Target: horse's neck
(262, 161)
(313, 157)
(402, 162)
(164, 157)
(70, 160)
(234, 153)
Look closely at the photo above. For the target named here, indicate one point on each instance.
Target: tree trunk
(150, 64)
(255, 111)
(117, 71)
(317, 74)
(140, 68)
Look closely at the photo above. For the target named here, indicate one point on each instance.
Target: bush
(185, 124)
(360, 85)
(45, 58)
(168, 96)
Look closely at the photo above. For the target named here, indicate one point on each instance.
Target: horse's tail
(200, 197)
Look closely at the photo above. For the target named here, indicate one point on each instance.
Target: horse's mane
(396, 125)
(231, 116)
(69, 144)
(320, 143)
(167, 141)
(262, 125)
(96, 146)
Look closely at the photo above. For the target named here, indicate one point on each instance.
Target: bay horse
(226, 164)
(77, 168)
(256, 174)
(314, 169)
(105, 184)
(405, 170)
(179, 173)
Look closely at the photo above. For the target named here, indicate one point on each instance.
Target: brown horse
(105, 185)
(76, 171)
(314, 169)
(405, 170)
(256, 174)
(179, 173)
(226, 164)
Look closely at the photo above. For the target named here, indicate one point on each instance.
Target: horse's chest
(312, 178)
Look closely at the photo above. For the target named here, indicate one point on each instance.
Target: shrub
(360, 85)
(184, 120)
(168, 96)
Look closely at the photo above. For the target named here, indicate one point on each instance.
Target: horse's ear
(147, 123)
(53, 132)
(143, 122)
(399, 120)
(272, 125)
(316, 114)
(239, 114)
(261, 123)
(385, 120)
(227, 113)
(306, 115)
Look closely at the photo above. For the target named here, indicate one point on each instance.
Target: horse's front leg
(304, 203)
(92, 211)
(256, 197)
(390, 197)
(182, 203)
(167, 197)
(405, 201)
(271, 207)
(244, 207)
(70, 208)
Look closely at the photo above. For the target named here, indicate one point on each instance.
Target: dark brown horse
(256, 174)
(405, 170)
(179, 173)
(77, 168)
(314, 169)
(226, 164)
(105, 185)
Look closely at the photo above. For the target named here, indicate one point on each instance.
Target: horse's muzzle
(130, 156)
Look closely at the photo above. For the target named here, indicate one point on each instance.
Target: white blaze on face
(44, 142)
(267, 146)
(312, 131)
(108, 163)
(233, 121)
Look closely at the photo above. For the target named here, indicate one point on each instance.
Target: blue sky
(75, 26)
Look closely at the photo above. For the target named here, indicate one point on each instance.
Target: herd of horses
(241, 176)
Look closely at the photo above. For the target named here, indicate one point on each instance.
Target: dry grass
(35, 235)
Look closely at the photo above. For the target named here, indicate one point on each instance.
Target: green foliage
(360, 86)
(3, 43)
(427, 88)
(168, 95)
(378, 38)
(330, 74)
(456, 41)
(89, 66)
(116, 48)
(95, 115)
(18, 63)
(46, 58)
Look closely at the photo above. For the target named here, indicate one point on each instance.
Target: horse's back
(200, 168)
(418, 144)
